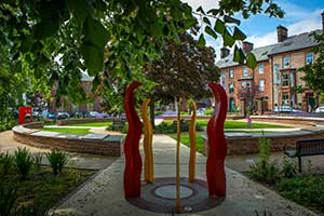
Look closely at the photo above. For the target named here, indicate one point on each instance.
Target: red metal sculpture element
(215, 169)
(133, 162)
(23, 111)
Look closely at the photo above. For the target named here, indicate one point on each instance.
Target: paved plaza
(103, 195)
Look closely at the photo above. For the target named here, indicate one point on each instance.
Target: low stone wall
(290, 120)
(110, 145)
(249, 144)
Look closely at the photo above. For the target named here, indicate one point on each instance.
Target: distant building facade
(276, 80)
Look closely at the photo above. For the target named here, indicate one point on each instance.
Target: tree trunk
(152, 115)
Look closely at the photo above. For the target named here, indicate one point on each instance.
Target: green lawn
(40, 191)
(77, 131)
(232, 124)
(200, 146)
(94, 124)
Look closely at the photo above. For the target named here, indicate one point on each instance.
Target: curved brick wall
(29, 135)
(290, 120)
(249, 144)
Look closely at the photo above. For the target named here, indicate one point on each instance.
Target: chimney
(224, 52)
(282, 33)
(322, 21)
(247, 46)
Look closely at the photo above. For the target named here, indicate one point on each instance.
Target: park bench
(306, 147)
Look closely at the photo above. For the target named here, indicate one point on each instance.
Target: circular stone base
(160, 196)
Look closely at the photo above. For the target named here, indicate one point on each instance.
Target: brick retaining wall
(249, 144)
(290, 120)
(81, 145)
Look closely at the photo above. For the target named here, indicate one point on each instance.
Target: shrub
(8, 196)
(167, 127)
(209, 111)
(289, 168)
(6, 162)
(307, 190)
(23, 162)
(38, 160)
(58, 160)
(264, 170)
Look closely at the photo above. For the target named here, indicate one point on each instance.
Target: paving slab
(103, 195)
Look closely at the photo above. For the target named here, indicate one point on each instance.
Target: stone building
(276, 81)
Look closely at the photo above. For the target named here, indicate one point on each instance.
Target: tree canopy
(55, 39)
(183, 70)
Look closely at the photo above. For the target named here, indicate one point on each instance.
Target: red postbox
(23, 111)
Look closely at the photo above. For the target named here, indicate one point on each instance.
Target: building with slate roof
(276, 81)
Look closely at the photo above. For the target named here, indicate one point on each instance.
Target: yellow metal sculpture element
(178, 203)
(148, 134)
(192, 137)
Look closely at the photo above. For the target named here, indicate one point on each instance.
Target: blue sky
(300, 16)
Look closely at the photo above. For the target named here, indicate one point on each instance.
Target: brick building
(276, 80)
(66, 105)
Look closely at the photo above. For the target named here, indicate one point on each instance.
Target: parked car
(285, 109)
(51, 115)
(76, 115)
(62, 115)
(319, 109)
(99, 115)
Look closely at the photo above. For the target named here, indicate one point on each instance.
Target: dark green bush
(289, 168)
(8, 196)
(38, 160)
(167, 127)
(264, 170)
(307, 190)
(58, 160)
(6, 163)
(23, 161)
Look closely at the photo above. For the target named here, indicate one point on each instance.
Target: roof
(295, 42)
(261, 54)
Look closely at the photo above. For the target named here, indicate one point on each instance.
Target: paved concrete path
(103, 195)
(76, 160)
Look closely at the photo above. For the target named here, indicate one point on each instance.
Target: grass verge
(76, 131)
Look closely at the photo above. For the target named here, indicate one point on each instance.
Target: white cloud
(304, 24)
(206, 4)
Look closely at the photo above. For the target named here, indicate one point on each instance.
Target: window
(286, 61)
(231, 73)
(261, 85)
(284, 79)
(309, 58)
(231, 88)
(245, 72)
(276, 76)
(285, 99)
(222, 80)
(261, 68)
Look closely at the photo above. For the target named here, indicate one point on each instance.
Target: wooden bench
(306, 147)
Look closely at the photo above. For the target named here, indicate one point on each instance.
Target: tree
(79, 31)
(183, 70)
(314, 72)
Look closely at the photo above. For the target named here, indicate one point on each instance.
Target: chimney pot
(282, 33)
(224, 52)
(247, 46)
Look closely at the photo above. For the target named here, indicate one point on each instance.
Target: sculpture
(147, 143)
(133, 162)
(192, 137)
(217, 148)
